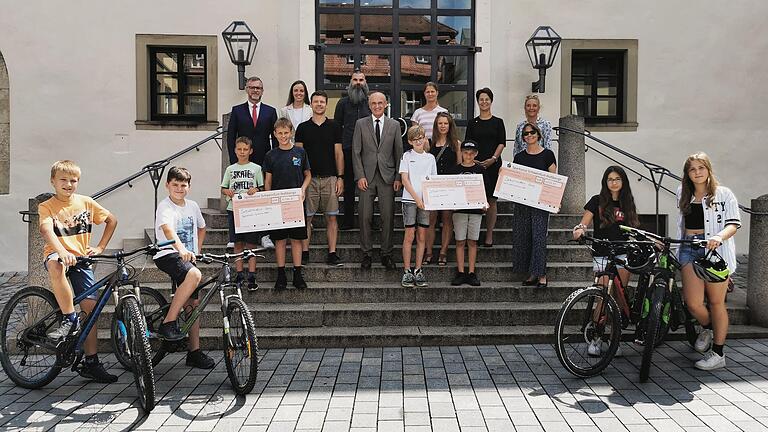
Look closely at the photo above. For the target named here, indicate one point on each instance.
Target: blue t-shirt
(286, 166)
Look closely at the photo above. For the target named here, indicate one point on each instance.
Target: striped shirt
(426, 119)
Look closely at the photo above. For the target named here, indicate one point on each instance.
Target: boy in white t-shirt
(415, 165)
(180, 219)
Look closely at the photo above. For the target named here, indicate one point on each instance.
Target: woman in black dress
(489, 133)
(529, 237)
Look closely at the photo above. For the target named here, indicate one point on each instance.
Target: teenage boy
(466, 223)
(415, 165)
(320, 137)
(286, 167)
(66, 220)
(180, 219)
(242, 177)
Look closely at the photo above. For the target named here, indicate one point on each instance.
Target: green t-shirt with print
(240, 178)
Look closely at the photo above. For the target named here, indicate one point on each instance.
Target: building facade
(117, 86)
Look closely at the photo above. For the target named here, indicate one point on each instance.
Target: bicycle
(32, 360)
(601, 311)
(664, 305)
(239, 329)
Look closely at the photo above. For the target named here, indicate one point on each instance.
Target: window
(399, 45)
(176, 82)
(599, 83)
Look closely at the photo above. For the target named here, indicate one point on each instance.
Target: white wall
(72, 75)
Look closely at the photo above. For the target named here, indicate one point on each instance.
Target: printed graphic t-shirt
(72, 222)
(608, 232)
(240, 178)
(418, 166)
(287, 167)
(183, 220)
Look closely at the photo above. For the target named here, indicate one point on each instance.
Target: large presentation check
(271, 210)
(454, 192)
(530, 186)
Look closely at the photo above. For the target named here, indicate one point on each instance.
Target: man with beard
(349, 110)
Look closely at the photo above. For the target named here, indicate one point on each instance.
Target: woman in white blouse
(297, 109)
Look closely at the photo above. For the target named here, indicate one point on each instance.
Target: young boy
(287, 167)
(466, 223)
(242, 177)
(415, 165)
(180, 219)
(66, 221)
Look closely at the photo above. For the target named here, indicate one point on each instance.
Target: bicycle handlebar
(224, 258)
(636, 232)
(150, 249)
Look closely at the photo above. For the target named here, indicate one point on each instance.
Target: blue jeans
(689, 253)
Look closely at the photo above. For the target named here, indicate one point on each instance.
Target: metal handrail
(656, 171)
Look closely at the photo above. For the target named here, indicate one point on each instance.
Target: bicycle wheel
(141, 353)
(28, 316)
(587, 331)
(653, 327)
(240, 347)
(155, 306)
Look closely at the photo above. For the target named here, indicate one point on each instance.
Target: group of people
(361, 151)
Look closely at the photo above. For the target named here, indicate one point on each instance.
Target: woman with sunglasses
(489, 133)
(532, 106)
(529, 238)
(707, 211)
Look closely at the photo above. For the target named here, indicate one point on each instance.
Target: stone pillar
(224, 159)
(36, 273)
(571, 163)
(757, 277)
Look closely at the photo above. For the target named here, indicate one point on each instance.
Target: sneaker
(595, 348)
(266, 242)
(408, 280)
(66, 328)
(231, 245)
(298, 278)
(704, 341)
(473, 280)
(304, 257)
(711, 360)
(419, 279)
(458, 279)
(282, 281)
(252, 285)
(170, 331)
(198, 359)
(96, 372)
(334, 260)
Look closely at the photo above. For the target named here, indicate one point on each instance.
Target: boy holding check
(466, 223)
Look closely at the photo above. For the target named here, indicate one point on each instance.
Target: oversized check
(454, 192)
(530, 186)
(270, 210)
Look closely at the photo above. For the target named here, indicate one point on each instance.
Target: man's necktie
(378, 132)
(255, 115)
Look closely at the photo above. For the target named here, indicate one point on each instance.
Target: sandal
(427, 260)
(442, 261)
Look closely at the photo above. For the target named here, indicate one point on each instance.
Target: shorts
(466, 226)
(413, 215)
(689, 253)
(81, 276)
(176, 268)
(253, 238)
(599, 263)
(297, 233)
(321, 196)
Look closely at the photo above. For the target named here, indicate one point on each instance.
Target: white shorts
(466, 226)
(599, 263)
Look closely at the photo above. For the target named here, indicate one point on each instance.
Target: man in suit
(376, 151)
(255, 120)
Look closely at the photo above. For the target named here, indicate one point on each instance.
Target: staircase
(349, 306)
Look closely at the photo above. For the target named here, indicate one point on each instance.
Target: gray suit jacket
(367, 156)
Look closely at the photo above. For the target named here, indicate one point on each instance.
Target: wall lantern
(542, 49)
(241, 44)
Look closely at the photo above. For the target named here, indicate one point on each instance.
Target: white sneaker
(266, 242)
(703, 341)
(595, 348)
(711, 360)
(618, 351)
(231, 245)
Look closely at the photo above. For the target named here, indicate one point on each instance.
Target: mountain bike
(590, 322)
(239, 329)
(32, 360)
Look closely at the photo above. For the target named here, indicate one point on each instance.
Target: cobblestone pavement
(441, 389)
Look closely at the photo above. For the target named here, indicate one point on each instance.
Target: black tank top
(694, 220)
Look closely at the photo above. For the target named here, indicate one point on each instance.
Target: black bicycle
(32, 360)
(239, 330)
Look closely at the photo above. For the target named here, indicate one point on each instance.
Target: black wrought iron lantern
(542, 49)
(241, 44)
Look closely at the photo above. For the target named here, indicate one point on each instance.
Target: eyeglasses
(255, 88)
(614, 180)
(531, 132)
